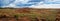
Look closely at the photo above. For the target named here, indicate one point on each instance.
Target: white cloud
(17, 2)
(20, 1)
(43, 5)
(47, 6)
(39, 5)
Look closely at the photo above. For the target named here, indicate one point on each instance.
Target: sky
(30, 3)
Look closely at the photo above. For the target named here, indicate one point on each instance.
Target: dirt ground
(41, 14)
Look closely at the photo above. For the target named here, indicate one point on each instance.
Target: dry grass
(48, 14)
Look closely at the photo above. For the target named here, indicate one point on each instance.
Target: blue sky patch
(19, 3)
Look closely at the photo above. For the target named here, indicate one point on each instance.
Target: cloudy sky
(30, 3)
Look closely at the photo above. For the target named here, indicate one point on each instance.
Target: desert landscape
(29, 14)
